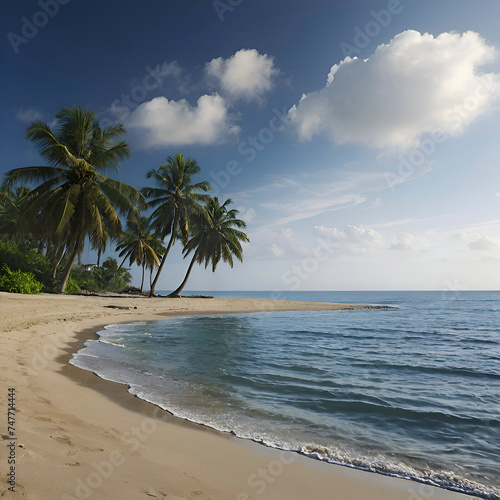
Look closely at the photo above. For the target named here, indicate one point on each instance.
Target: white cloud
(355, 240)
(476, 239)
(352, 239)
(414, 85)
(276, 251)
(482, 244)
(296, 210)
(28, 115)
(246, 214)
(410, 242)
(160, 122)
(245, 74)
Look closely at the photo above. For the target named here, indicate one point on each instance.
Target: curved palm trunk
(142, 281)
(177, 293)
(57, 257)
(61, 287)
(152, 292)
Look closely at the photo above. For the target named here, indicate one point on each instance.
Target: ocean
(410, 391)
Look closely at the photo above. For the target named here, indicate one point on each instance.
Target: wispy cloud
(28, 115)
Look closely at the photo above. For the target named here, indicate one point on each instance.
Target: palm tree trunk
(67, 271)
(56, 259)
(98, 257)
(177, 293)
(152, 292)
(142, 281)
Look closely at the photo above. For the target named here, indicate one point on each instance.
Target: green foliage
(74, 203)
(73, 199)
(18, 281)
(72, 287)
(107, 278)
(20, 257)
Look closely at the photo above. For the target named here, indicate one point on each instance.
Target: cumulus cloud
(276, 250)
(414, 85)
(245, 74)
(352, 239)
(160, 122)
(477, 241)
(247, 214)
(482, 244)
(410, 242)
(356, 240)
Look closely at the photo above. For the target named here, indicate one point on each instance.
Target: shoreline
(103, 440)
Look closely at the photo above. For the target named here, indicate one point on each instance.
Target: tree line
(59, 207)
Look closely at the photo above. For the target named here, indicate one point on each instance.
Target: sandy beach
(78, 436)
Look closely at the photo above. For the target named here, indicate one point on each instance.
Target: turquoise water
(411, 391)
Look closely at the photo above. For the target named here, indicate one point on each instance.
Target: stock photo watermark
(263, 477)
(416, 158)
(297, 274)
(223, 6)
(12, 439)
(250, 149)
(30, 27)
(133, 439)
(128, 102)
(379, 20)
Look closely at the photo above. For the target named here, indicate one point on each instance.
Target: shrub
(72, 287)
(107, 278)
(28, 260)
(18, 281)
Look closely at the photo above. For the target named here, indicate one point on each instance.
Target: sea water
(411, 391)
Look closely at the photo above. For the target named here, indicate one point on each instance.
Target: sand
(78, 436)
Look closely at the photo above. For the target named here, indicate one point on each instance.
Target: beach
(75, 435)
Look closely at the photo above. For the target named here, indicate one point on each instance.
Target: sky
(359, 140)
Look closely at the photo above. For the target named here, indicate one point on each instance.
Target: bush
(28, 260)
(107, 278)
(18, 281)
(72, 287)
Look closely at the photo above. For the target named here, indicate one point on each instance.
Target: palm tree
(214, 236)
(10, 213)
(73, 198)
(176, 200)
(139, 245)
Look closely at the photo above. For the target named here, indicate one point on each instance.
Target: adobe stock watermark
(297, 274)
(379, 20)
(223, 6)
(128, 102)
(31, 27)
(321, 252)
(453, 289)
(250, 149)
(262, 478)
(133, 439)
(416, 158)
(41, 357)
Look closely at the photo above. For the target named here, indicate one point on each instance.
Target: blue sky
(358, 139)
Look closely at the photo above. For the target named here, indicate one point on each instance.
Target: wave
(461, 371)
(290, 385)
(441, 479)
